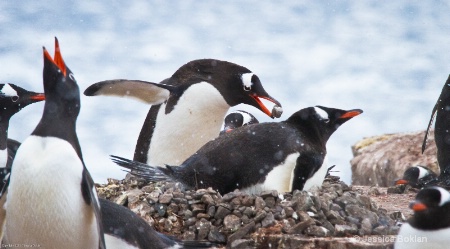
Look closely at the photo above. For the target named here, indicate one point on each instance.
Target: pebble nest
(241, 220)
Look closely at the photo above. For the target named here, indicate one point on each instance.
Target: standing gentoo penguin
(12, 100)
(418, 177)
(188, 108)
(429, 227)
(237, 119)
(51, 200)
(269, 156)
(441, 134)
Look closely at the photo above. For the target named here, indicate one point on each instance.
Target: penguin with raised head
(51, 199)
(189, 107)
(237, 119)
(418, 177)
(441, 111)
(12, 99)
(280, 156)
(429, 227)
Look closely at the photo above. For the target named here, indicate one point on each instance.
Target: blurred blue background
(389, 58)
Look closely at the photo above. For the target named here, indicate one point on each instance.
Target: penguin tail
(150, 173)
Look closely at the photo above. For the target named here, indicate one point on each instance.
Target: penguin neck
(310, 130)
(52, 125)
(4, 123)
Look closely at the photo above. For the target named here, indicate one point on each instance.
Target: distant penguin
(237, 119)
(270, 156)
(441, 133)
(51, 199)
(429, 227)
(418, 177)
(126, 230)
(12, 100)
(189, 107)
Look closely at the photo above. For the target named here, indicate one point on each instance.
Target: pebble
(334, 210)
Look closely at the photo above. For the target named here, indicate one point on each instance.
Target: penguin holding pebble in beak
(280, 156)
(51, 201)
(188, 108)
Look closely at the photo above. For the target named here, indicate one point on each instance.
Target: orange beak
(58, 61)
(38, 97)
(401, 181)
(263, 107)
(351, 114)
(418, 206)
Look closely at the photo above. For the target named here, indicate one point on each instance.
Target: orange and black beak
(418, 206)
(351, 114)
(58, 60)
(275, 113)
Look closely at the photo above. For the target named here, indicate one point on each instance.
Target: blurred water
(388, 58)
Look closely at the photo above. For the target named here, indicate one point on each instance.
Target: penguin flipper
(90, 197)
(12, 146)
(150, 173)
(149, 92)
(427, 132)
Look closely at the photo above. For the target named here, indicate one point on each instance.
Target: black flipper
(90, 197)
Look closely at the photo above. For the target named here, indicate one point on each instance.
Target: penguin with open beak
(51, 199)
(188, 108)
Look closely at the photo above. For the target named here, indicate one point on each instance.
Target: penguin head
(414, 175)
(238, 119)
(431, 209)
(14, 98)
(324, 120)
(61, 89)
(237, 84)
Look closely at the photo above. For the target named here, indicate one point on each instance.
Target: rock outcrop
(380, 160)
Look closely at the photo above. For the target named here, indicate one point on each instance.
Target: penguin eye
(72, 77)
(14, 98)
(326, 120)
(247, 88)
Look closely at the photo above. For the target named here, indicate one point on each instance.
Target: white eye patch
(322, 114)
(247, 80)
(246, 117)
(8, 91)
(445, 196)
(422, 172)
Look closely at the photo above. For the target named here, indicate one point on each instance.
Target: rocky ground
(334, 216)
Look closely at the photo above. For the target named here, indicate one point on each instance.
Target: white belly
(280, 178)
(195, 120)
(3, 158)
(44, 202)
(317, 179)
(411, 238)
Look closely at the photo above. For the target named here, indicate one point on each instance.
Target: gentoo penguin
(126, 230)
(189, 107)
(429, 227)
(270, 156)
(51, 199)
(441, 133)
(12, 99)
(237, 119)
(418, 177)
